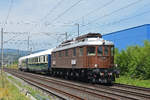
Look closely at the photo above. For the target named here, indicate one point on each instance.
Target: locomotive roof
(42, 53)
(89, 35)
(83, 42)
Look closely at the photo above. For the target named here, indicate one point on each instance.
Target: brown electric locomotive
(88, 58)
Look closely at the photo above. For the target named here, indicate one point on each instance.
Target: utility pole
(78, 28)
(66, 35)
(30, 50)
(2, 57)
(18, 53)
(28, 45)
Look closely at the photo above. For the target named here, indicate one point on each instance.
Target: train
(87, 58)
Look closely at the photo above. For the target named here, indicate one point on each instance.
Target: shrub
(134, 61)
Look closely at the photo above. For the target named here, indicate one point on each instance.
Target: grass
(34, 92)
(13, 66)
(135, 82)
(10, 92)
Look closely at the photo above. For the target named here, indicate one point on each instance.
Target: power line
(106, 15)
(128, 18)
(52, 10)
(99, 8)
(9, 10)
(60, 15)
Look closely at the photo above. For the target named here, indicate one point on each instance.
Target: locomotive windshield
(106, 50)
(100, 51)
(112, 51)
(91, 51)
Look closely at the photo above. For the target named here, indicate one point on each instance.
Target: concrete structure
(129, 37)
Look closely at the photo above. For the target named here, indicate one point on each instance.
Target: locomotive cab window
(91, 51)
(106, 50)
(100, 51)
(112, 51)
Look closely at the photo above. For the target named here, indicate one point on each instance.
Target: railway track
(86, 91)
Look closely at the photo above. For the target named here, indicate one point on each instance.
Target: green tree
(134, 61)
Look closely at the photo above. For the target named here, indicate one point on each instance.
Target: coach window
(106, 50)
(43, 58)
(39, 59)
(74, 51)
(81, 51)
(47, 58)
(36, 59)
(91, 51)
(100, 51)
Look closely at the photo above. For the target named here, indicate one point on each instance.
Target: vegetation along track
(88, 91)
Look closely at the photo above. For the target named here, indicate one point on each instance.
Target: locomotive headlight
(96, 65)
(101, 74)
(109, 73)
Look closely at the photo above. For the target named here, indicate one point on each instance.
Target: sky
(45, 22)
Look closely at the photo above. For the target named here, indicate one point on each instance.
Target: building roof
(126, 29)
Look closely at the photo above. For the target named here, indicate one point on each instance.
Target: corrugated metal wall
(128, 37)
(148, 32)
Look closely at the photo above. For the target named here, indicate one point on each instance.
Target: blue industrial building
(129, 37)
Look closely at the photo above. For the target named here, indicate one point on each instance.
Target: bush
(134, 61)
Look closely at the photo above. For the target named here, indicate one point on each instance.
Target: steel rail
(92, 89)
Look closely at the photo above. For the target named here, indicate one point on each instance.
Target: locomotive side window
(100, 51)
(59, 53)
(106, 50)
(91, 51)
(74, 51)
(112, 51)
(81, 51)
(62, 53)
(66, 52)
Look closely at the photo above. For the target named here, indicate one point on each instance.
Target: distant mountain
(11, 55)
(39, 51)
(14, 51)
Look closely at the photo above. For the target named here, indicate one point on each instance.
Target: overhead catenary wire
(63, 13)
(115, 11)
(127, 18)
(9, 11)
(96, 9)
(52, 10)
(124, 19)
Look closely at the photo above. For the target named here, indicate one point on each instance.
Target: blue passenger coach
(37, 62)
